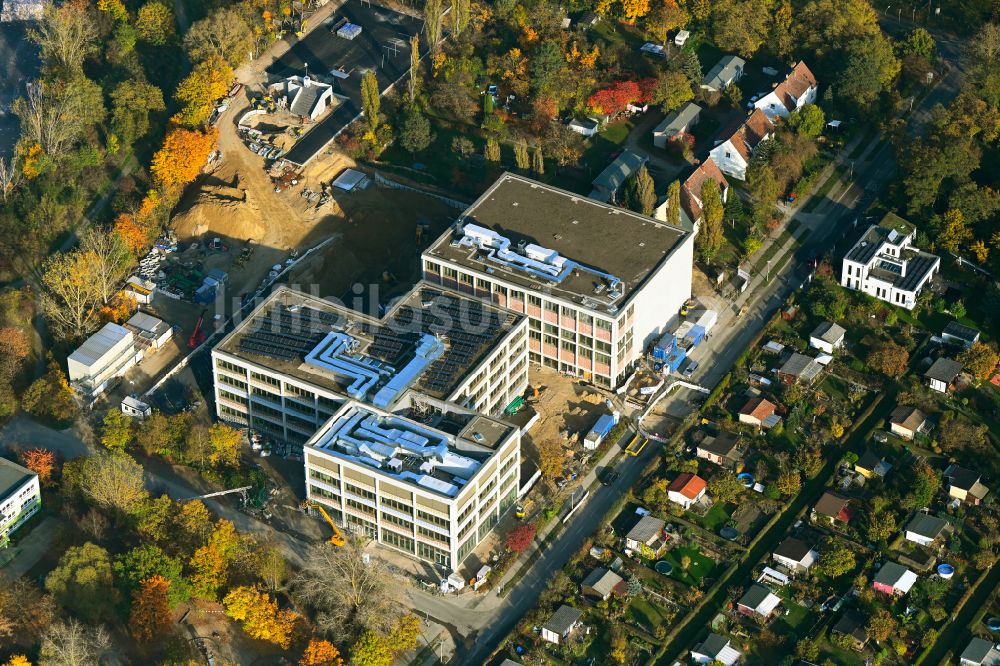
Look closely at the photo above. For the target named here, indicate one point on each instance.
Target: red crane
(197, 335)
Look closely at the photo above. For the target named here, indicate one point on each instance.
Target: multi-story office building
(390, 410)
(429, 478)
(884, 263)
(597, 282)
(20, 497)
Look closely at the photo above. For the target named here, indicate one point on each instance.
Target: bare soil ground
(564, 405)
(377, 234)
(224, 638)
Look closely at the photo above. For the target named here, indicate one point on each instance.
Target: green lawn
(713, 519)
(700, 567)
(645, 613)
(595, 158)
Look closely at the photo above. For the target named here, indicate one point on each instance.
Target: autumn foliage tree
(182, 156)
(150, 615)
(42, 462)
(616, 98)
(260, 615)
(197, 93)
(889, 358)
(519, 538)
(321, 653)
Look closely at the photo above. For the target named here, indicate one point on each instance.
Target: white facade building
(105, 355)
(431, 492)
(20, 497)
(596, 282)
(798, 89)
(732, 156)
(884, 264)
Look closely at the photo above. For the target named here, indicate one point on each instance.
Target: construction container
(604, 425)
(674, 359)
(706, 319)
(695, 336)
(663, 348)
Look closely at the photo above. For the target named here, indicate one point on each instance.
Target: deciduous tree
(198, 92)
(789, 482)
(980, 359)
(146, 561)
(150, 616)
(260, 616)
(371, 649)
(83, 582)
(182, 156)
(222, 33)
(924, 483)
(433, 18)
(117, 431)
(57, 114)
(880, 626)
(674, 203)
(42, 462)
(519, 538)
(537, 161)
(113, 481)
(321, 653)
(73, 644)
(835, 560)
(155, 23)
(67, 34)
(741, 25)
(889, 358)
(50, 397)
(725, 487)
(349, 595)
(871, 68)
(131, 103)
(415, 132)
(70, 297)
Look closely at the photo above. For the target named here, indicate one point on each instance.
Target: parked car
(609, 477)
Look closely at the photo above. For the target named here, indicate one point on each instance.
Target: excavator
(337, 538)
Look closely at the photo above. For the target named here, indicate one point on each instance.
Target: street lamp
(767, 275)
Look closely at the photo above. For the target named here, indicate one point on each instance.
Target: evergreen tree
(640, 192)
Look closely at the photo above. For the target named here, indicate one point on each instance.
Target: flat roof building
(20, 497)
(596, 282)
(392, 412)
(105, 355)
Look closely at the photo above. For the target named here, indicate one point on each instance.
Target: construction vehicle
(197, 335)
(520, 512)
(688, 304)
(337, 538)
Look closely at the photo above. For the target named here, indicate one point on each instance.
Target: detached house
(610, 181)
(894, 579)
(833, 507)
(884, 263)
(870, 465)
(602, 583)
(827, 337)
(979, 652)
(906, 421)
(723, 449)
(852, 624)
(679, 122)
(758, 600)
(562, 623)
(726, 72)
(798, 89)
(799, 369)
(686, 489)
(691, 202)
(965, 485)
(716, 648)
(925, 529)
(760, 412)
(734, 153)
(795, 555)
(942, 374)
(647, 537)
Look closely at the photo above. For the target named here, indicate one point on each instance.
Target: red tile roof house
(833, 507)
(732, 156)
(691, 189)
(759, 412)
(686, 489)
(798, 89)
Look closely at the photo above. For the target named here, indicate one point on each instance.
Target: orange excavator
(337, 538)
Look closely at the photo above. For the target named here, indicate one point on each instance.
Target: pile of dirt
(222, 210)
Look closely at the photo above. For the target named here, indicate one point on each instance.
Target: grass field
(700, 567)
(713, 519)
(645, 613)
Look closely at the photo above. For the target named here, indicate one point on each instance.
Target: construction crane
(197, 335)
(241, 490)
(337, 538)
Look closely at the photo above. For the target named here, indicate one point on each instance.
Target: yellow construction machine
(337, 538)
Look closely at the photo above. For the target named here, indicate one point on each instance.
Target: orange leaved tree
(182, 156)
(150, 609)
(321, 653)
(42, 462)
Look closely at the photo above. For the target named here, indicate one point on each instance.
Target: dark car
(609, 477)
